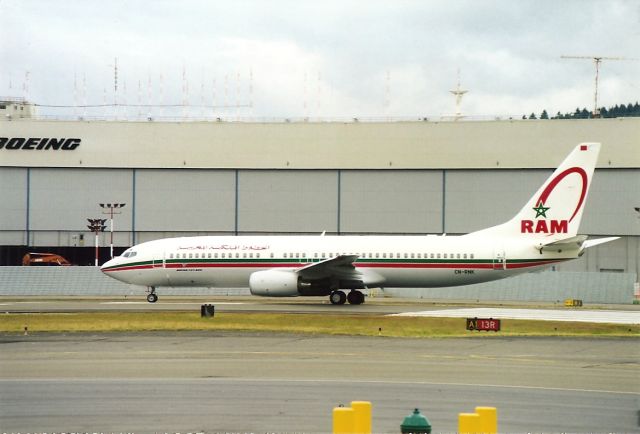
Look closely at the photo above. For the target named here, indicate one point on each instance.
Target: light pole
(96, 226)
(637, 284)
(111, 207)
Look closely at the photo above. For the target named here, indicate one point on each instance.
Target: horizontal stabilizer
(591, 243)
(568, 243)
(577, 242)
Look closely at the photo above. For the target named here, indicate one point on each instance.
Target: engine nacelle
(274, 283)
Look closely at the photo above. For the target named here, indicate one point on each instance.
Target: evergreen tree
(619, 110)
(615, 111)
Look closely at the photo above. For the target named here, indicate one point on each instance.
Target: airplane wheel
(355, 297)
(152, 298)
(338, 297)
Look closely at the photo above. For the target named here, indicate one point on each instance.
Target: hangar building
(353, 177)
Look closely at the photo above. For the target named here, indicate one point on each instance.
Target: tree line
(617, 111)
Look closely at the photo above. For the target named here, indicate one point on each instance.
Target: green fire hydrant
(416, 423)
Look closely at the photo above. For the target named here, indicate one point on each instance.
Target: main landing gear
(339, 297)
(152, 297)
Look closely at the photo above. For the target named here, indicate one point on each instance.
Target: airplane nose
(106, 265)
(112, 269)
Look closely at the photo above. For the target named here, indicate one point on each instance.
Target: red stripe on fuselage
(432, 265)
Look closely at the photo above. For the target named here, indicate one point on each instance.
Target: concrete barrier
(606, 288)
(52, 281)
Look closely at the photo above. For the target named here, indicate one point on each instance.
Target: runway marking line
(591, 316)
(28, 302)
(171, 303)
(288, 380)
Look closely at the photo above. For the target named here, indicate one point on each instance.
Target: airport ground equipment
(39, 259)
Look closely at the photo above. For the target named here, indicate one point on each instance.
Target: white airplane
(543, 233)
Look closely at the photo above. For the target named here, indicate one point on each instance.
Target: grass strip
(356, 325)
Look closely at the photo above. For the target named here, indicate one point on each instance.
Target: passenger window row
(320, 256)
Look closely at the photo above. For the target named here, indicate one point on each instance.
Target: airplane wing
(340, 268)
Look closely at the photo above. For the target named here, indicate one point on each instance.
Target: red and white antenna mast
(596, 61)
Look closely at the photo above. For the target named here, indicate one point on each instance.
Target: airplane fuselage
(385, 261)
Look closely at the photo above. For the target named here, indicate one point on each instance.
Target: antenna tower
(596, 61)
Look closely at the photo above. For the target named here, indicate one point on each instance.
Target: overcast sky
(320, 58)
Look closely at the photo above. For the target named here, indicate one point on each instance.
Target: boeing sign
(39, 144)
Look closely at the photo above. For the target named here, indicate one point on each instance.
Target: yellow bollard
(362, 421)
(488, 419)
(343, 420)
(468, 423)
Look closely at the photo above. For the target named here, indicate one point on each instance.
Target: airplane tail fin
(554, 212)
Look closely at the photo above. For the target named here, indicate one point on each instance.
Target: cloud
(330, 58)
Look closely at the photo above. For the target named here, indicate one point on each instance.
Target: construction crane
(596, 60)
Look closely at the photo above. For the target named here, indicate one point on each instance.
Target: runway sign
(483, 324)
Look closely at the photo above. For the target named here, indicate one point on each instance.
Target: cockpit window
(129, 254)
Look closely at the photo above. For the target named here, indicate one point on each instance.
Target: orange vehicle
(42, 259)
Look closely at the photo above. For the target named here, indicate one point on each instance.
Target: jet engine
(286, 283)
(274, 283)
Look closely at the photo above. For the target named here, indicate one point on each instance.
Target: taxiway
(618, 314)
(265, 382)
